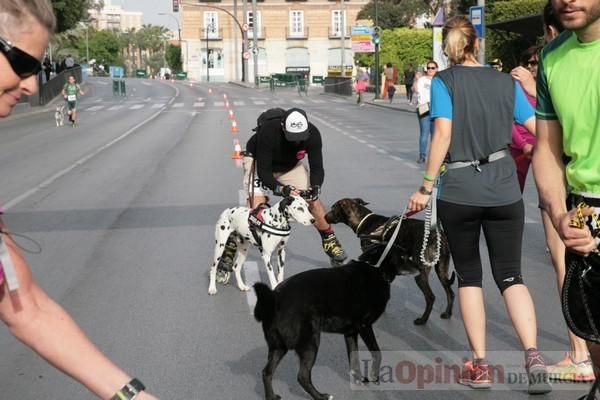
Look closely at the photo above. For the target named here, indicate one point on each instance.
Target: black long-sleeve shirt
(273, 153)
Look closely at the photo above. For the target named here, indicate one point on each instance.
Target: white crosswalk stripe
(259, 102)
(239, 103)
(199, 104)
(158, 105)
(136, 107)
(115, 108)
(298, 102)
(178, 105)
(94, 108)
(317, 101)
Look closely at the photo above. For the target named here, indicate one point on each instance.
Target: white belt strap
(476, 163)
(10, 273)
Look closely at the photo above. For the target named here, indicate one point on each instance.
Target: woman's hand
(525, 78)
(527, 150)
(418, 201)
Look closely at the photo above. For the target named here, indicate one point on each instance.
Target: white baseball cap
(295, 125)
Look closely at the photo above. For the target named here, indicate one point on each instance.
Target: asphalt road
(124, 207)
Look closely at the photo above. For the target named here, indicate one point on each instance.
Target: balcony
(213, 34)
(294, 34)
(336, 33)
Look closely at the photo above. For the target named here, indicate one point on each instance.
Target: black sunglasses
(431, 67)
(532, 62)
(24, 65)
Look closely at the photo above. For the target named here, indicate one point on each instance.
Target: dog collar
(256, 220)
(361, 222)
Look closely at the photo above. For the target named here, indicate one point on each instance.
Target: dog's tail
(265, 302)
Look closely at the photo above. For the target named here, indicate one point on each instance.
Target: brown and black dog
(368, 225)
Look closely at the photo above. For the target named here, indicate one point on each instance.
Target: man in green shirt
(70, 92)
(568, 122)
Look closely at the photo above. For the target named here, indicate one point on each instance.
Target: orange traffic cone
(191, 84)
(231, 116)
(224, 96)
(209, 91)
(234, 127)
(237, 150)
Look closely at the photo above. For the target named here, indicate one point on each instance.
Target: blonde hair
(14, 15)
(459, 40)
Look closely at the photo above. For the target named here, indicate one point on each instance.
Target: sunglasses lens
(22, 63)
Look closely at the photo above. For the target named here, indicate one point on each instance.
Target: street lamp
(207, 29)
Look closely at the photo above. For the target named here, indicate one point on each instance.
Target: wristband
(129, 390)
(428, 178)
(423, 190)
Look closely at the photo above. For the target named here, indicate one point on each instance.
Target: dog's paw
(420, 321)
(212, 290)
(446, 315)
(244, 288)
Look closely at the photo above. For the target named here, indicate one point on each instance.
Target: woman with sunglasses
(479, 191)
(30, 315)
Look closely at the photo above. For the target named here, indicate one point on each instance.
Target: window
(338, 26)
(296, 23)
(211, 23)
(250, 22)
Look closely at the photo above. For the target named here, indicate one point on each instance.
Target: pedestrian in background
(388, 76)
(423, 92)
(390, 92)
(480, 191)
(28, 312)
(568, 99)
(409, 79)
(47, 65)
(360, 85)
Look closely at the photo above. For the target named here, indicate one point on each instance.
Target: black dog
(346, 300)
(366, 224)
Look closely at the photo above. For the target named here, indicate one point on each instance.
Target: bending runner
(273, 164)
(70, 92)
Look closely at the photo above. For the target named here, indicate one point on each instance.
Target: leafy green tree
(70, 12)
(173, 57)
(401, 46)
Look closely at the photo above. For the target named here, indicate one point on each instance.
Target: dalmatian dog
(59, 116)
(271, 233)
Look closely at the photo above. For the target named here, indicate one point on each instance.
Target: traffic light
(375, 35)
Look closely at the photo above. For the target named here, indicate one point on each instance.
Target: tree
(173, 57)
(70, 12)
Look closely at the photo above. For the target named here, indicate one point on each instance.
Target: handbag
(422, 110)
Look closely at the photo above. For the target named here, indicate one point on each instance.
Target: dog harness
(257, 224)
(482, 161)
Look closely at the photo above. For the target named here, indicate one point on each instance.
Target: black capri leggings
(503, 231)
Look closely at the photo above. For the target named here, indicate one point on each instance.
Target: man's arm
(315, 158)
(549, 173)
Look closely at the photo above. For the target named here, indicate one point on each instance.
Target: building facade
(113, 17)
(303, 36)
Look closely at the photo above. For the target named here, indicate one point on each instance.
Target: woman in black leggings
(473, 107)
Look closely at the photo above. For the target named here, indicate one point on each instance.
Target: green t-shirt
(71, 90)
(568, 90)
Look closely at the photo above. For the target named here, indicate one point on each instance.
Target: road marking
(158, 105)
(115, 108)
(410, 165)
(200, 98)
(371, 146)
(200, 104)
(82, 160)
(218, 104)
(317, 101)
(239, 103)
(298, 101)
(95, 108)
(177, 105)
(382, 151)
(251, 276)
(396, 158)
(146, 83)
(136, 107)
(361, 141)
(259, 102)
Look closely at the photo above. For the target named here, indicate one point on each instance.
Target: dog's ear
(286, 201)
(361, 201)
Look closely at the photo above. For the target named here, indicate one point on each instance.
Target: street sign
(246, 55)
(245, 27)
(476, 15)
(116, 71)
(361, 39)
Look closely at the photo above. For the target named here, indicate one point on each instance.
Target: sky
(150, 8)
